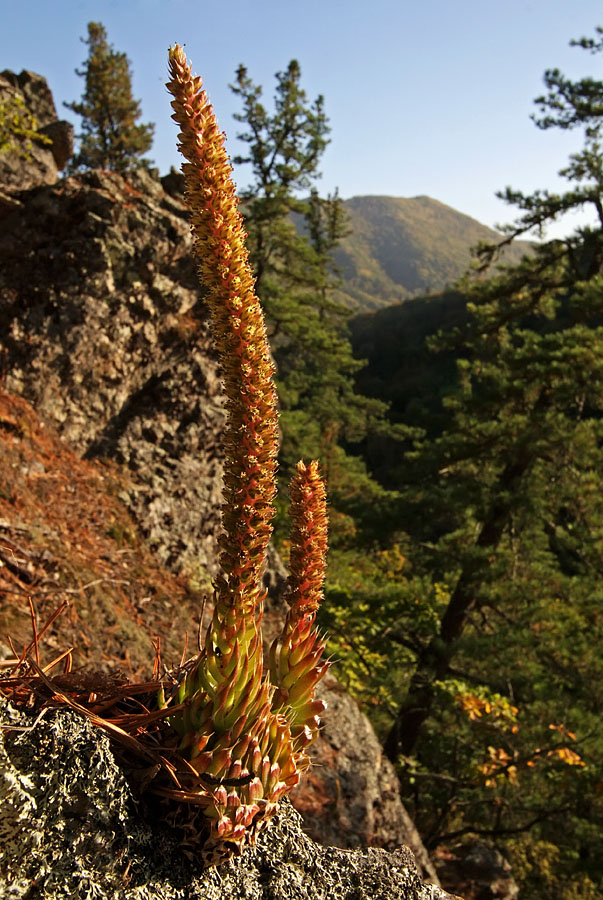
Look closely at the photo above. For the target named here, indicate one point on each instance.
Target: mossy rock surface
(70, 827)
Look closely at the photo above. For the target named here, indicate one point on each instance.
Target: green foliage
(497, 729)
(536, 865)
(291, 241)
(18, 128)
(377, 613)
(110, 137)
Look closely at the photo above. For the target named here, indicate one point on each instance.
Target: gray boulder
(106, 335)
(70, 828)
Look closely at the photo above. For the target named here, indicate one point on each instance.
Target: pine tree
(292, 234)
(110, 137)
(505, 509)
(528, 407)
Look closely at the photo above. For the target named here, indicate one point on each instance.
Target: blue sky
(424, 96)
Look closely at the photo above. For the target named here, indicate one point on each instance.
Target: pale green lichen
(82, 837)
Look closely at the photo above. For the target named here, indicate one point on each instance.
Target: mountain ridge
(402, 247)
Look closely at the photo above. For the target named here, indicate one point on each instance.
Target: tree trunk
(435, 659)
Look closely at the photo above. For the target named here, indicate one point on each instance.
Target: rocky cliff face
(105, 334)
(350, 797)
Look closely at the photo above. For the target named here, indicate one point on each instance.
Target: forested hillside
(400, 247)
(463, 592)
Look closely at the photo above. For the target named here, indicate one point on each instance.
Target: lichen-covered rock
(37, 164)
(70, 828)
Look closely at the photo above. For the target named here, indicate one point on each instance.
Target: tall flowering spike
(244, 735)
(295, 658)
(251, 438)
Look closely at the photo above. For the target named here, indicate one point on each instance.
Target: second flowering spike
(296, 663)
